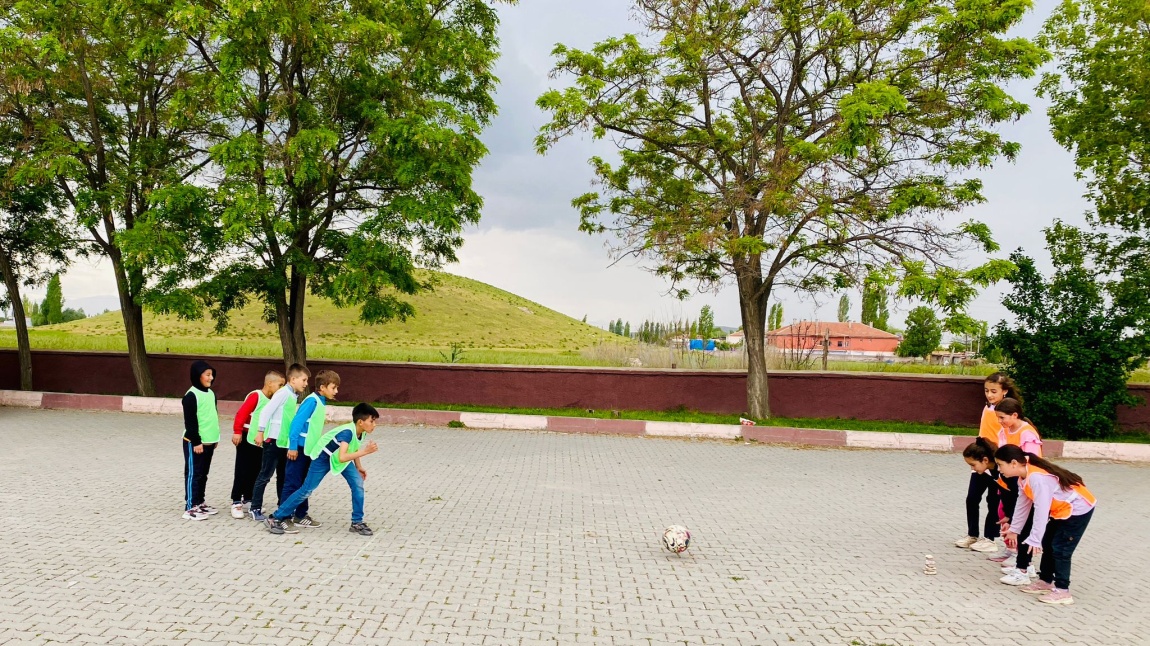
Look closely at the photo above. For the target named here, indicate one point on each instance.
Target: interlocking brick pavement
(524, 537)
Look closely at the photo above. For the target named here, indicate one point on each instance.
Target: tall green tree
(352, 134)
(706, 322)
(775, 317)
(844, 308)
(1073, 343)
(875, 312)
(796, 145)
(923, 333)
(114, 111)
(53, 305)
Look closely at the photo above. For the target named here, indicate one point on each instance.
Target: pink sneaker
(1002, 557)
(1057, 596)
(1038, 587)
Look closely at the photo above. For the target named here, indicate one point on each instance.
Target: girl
(996, 387)
(1015, 430)
(1062, 507)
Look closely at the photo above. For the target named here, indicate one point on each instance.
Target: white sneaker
(237, 511)
(194, 514)
(984, 545)
(1031, 572)
(1016, 577)
(1009, 567)
(966, 541)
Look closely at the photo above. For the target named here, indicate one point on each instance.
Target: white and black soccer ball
(676, 539)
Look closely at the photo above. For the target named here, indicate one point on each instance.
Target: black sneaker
(361, 528)
(307, 521)
(274, 526)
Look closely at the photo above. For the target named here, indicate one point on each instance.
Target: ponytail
(1011, 453)
(980, 449)
(1008, 386)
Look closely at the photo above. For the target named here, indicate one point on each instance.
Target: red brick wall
(924, 398)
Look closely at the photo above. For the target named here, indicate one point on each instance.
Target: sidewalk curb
(764, 434)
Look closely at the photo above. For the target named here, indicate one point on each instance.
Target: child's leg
(315, 475)
(355, 482)
(1046, 563)
(1023, 560)
(202, 464)
(295, 473)
(305, 463)
(189, 470)
(973, 498)
(990, 527)
(268, 462)
(281, 473)
(252, 462)
(1063, 546)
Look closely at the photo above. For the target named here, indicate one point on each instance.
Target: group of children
(276, 435)
(1035, 508)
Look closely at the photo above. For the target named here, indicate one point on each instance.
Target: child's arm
(1021, 511)
(269, 412)
(1043, 488)
(244, 418)
(358, 467)
(192, 422)
(345, 456)
(298, 424)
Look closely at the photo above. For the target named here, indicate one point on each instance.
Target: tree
(844, 308)
(32, 243)
(923, 333)
(1076, 338)
(706, 322)
(874, 303)
(114, 110)
(352, 133)
(53, 306)
(627, 330)
(775, 317)
(797, 145)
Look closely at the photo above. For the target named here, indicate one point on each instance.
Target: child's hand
(1011, 540)
(260, 438)
(371, 447)
(362, 473)
(236, 439)
(198, 449)
(293, 455)
(1035, 551)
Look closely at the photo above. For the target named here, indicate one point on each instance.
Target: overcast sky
(528, 242)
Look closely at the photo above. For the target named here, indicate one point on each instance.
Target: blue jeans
(318, 471)
(294, 475)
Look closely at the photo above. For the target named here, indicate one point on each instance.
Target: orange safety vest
(988, 428)
(1016, 437)
(1060, 507)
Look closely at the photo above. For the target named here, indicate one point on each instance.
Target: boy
(336, 449)
(306, 429)
(272, 436)
(201, 433)
(249, 455)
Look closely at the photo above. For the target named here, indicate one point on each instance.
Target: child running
(248, 452)
(1061, 508)
(336, 449)
(1016, 431)
(201, 434)
(996, 387)
(306, 431)
(272, 436)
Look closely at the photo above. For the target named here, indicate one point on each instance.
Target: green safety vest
(285, 421)
(206, 416)
(254, 422)
(314, 431)
(325, 438)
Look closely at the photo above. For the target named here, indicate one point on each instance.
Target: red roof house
(848, 337)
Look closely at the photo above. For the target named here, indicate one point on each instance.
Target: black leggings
(1058, 544)
(272, 462)
(249, 459)
(982, 483)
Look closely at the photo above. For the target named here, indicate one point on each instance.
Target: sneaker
(1057, 596)
(1031, 572)
(289, 526)
(257, 515)
(208, 509)
(966, 541)
(1016, 577)
(984, 545)
(274, 526)
(1005, 556)
(237, 510)
(194, 514)
(307, 521)
(361, 528)
(1038, 587)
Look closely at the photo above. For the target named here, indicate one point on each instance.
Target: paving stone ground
(512, 537)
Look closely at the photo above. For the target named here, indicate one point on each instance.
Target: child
(334, 451)
(272, 436)
(1061, 508)
(201, 433)
(996, 387)
(306, 431)
(1016, 431)
(248, 453)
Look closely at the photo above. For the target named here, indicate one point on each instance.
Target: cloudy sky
(528, 242)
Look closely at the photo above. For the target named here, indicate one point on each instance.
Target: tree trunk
(133, 316)
(24, 347)
(289, 320)
(754, 312)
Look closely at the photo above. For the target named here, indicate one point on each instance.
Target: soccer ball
(676, 538)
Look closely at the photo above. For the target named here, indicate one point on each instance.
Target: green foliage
(1077, 338)
(53, 306)
(875, 312)
(775, 317)
(876, 115)
(844, 308)
(706, 322)
(923, 333)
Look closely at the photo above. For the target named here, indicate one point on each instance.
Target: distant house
(735, 338)
(849, 338)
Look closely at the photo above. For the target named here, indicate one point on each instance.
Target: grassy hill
(492, 325)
